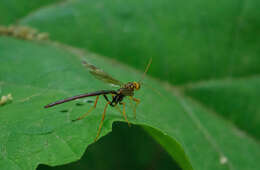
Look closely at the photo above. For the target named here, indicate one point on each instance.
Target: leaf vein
(207, 135)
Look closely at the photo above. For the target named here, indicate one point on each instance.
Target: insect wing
(101, 75)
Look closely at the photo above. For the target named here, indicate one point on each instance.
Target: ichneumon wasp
(125, 90)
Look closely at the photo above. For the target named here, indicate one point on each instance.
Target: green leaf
(188, 40)
(11, 10)
(39, 73)
(128, 148)
(236, 99)
(190, 43)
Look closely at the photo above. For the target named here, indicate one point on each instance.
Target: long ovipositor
(81, 96)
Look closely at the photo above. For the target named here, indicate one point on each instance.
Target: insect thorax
(127, 89)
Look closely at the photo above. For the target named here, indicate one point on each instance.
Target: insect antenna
(153, 89)
(146, 69)
(146, 84)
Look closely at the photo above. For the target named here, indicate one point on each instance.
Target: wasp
(125, 90)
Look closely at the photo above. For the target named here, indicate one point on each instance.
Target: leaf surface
(236, 99)
(11, 10)
(198, 42)
(189, 41)
(38, 73)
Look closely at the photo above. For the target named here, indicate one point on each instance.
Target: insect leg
(131, 103)
(105, 96)
(102, 120)
(123, 113)
(137, 102)
(90, 110)
(110, 102)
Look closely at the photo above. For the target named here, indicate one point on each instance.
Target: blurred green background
(207, 49)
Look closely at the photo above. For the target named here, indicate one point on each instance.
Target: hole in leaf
(125, 148)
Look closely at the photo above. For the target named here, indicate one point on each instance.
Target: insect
(125, 90)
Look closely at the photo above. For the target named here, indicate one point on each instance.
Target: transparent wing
(101, 75)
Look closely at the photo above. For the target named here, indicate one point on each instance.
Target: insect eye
(136, 85)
